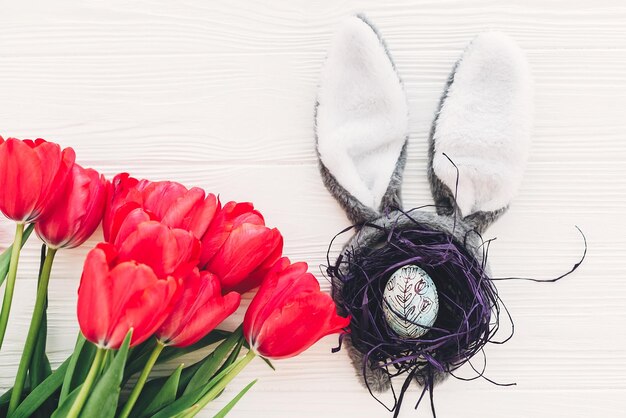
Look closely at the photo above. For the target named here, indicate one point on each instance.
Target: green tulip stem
(33, 331)
(94, 370)
(8, 291)
(219, 387)
(134, 395)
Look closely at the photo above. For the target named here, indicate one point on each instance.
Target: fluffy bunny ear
(361, 122)
(483, 127)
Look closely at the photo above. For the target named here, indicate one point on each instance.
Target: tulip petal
(255, 278)
(56, 170)
(49, 153)
(94, 292)
(246, 248)
(167, 251)
(199, 310)
(282, 282)
(289, 312)
(192, 212)
(188, 252)
(78, 212)
(145, 310)
(190, 293)
(200, 219)
(262, 298)
(175, 214)
(160, 196)
(125, 222)
(121, 191)
(110, 252)
(233, 214)
(94, 208)
(149, 244)
(20, 179)
(297, 325)
(207, 319)
(33, 174)
(130, 295)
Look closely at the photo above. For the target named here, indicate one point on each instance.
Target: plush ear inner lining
(484, 125)
(362, 120)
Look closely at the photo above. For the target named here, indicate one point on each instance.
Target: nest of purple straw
(468, 303)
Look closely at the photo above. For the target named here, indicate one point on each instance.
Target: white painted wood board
(220, 94)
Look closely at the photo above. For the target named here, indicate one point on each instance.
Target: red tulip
(199, 310)
(78, 211)
(114, 297)
(290, 313)
(178, 207)
(167, 251)
(123, 197)
(239, 248)
(169, 202)
(32, 174)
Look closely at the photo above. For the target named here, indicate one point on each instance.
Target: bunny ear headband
(483, 125)
(415, 282)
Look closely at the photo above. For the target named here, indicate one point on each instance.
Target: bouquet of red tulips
(172, 266)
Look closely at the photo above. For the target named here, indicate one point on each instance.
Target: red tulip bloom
(114, 297)
(199, 310)
(239, 248)
(123, 197)
(177, 207)
(167, 251)
(169, 202)
(290, 313)
(32, 174)
(78, 211)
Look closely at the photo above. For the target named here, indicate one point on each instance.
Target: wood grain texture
(220, 95)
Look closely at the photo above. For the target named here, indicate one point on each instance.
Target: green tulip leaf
(5, 257)
(41, 393)
(236, 399)
(189, 412)
(65, 406)
(78, 367)
(165, 396)
(73, 360)
(211, 364)
(231, 358)
(6, 397)
(189, 399)
(194, 409)
(39, 367)
(102, 401)
(154, 386)
(142, 352)
(137, 357)
(211, 338)
(233, 355)
(187, 375)
(198, 375)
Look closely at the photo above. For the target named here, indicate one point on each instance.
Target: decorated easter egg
(410, 302)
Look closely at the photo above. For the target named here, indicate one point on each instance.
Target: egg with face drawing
(410, 302)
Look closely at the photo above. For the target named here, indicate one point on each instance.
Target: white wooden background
(220, 94)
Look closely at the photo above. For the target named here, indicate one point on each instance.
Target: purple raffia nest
(468, 302)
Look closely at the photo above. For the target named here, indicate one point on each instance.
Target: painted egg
(410, 302)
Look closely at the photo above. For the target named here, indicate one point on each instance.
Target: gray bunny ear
(483, 129)
(361, 122)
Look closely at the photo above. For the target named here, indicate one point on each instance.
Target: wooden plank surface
(220, 95)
